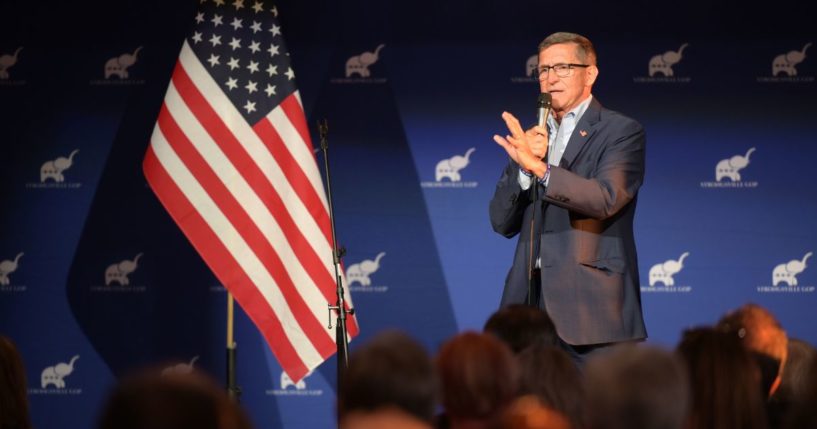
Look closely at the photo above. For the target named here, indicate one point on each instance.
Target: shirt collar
(576, 113)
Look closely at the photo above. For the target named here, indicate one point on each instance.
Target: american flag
(231, 159)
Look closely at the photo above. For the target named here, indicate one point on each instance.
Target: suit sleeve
(508, 203)
(614, 182)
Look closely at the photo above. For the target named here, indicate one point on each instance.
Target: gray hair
(637, 387)
(584, 47)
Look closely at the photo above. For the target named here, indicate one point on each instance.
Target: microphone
(543, 108)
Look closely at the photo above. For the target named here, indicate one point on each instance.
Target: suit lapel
(582, 134)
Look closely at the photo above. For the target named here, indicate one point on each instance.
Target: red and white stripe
(251, 200)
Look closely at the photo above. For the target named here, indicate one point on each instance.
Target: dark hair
(520, 326)
(478, 374)
(13, 394)
(584, 47)
(799, 357)
(172, 401)
(803, 413)
(551, 375)
(636, 387)
(390, 371)
(725, 393)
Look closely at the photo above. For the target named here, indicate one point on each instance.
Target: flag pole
(341, 338)
(233, 391)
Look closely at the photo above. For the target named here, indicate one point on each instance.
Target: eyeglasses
(562, 70)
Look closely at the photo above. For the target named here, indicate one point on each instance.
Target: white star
(236, 24)
(252, 87)
(290, 74)
(256, 27)
(249, 107)
(273, 50)
(272, 70)
(239, 4)
(219, 2)
(255, 46)
(213, 60)
(200, 17)
(196, 37)
(233, 63)
(274, 11)
(215, 40)
(216, 20)
(257, 7)
(275, 30)
(232, 83)
(253, 67)
(235, 43)
(270, 90)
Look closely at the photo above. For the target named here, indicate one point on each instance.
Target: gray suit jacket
(583, 231)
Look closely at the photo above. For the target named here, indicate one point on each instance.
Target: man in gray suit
(570, 192)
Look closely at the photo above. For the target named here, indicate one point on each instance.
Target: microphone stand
(341, 338)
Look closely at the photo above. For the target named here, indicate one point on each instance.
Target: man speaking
(570, 192)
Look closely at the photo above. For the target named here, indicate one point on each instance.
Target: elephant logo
(785, 63)
(360, 272)
(54, 375)
(788, 272)
(119, 272)
(663, 63)
(731, 167)
(359, 64)
(181, 368)
(53, 169)
(663, 272)
(119, 65)
(7, 267)
(531, 65)
(450, 167)
(286, 381)
(6, 62)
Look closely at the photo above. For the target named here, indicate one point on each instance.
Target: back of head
(636, 387)
(520, 326)
(803, 413)
(13, 394)
(762, 334)
(794, 383)
(549, 374)
(173, 401)
(528, 412)
(724, 380)
(392, 371)
(478, 374)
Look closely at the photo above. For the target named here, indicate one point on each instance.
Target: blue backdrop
(727, 214)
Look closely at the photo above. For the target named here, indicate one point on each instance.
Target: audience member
(803, 412)
(636, 387)
(520, 326)
(479, 379)
(548, 373)
(13, 395)
(390, 383)
(794, 382)
(764, 337)
(173, 401)
(724, 380)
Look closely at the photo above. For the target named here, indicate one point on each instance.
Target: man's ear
(592, 74)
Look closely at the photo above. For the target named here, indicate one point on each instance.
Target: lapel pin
(583, 133)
